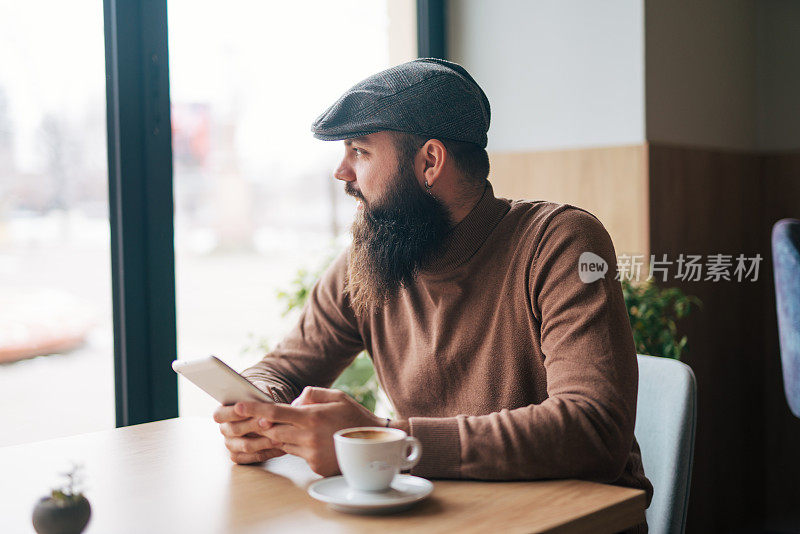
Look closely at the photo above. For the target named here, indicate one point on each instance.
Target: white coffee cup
(370, 457)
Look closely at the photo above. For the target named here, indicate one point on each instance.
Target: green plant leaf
(654, 314)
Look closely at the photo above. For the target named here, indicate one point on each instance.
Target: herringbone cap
(430, 97)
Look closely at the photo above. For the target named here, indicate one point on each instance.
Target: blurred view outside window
(255, 197)
(56, 343)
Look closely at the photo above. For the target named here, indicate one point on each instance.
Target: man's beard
(392, 241)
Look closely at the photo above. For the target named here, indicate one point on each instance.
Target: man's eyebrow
(359, 140)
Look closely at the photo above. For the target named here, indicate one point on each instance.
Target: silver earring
(427, 185)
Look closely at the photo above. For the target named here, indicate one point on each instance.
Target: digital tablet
(214, 377)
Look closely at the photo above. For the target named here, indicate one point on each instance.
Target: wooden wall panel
(706, 202)
(609, 182)
(747, 465)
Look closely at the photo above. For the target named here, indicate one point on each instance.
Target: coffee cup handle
(410, 460)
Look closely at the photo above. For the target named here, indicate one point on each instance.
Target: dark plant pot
(58, 517)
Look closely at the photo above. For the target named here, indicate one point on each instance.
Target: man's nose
(344, 172)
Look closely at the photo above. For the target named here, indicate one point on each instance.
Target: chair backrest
(665, 425)
(786, 261)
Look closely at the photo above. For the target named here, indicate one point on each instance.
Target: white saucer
(404, 492)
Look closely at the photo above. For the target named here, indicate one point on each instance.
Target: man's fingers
(276, 413)
(249, 445)
(312, 395)
(304, 397)
(227, 414)
(240, 428)
(255, 457)
(284, 434)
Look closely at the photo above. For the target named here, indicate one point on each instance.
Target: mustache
(350, 190)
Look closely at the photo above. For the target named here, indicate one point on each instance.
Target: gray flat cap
(429, 97)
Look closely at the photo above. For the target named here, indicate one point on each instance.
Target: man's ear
(433, 155)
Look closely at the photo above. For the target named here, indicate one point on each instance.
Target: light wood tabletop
(175, 476)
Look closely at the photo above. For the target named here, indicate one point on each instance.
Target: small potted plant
(65, 510)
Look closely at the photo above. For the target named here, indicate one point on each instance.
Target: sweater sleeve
(584, 428)
(321, 345)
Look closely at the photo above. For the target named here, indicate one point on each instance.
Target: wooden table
(176, 476)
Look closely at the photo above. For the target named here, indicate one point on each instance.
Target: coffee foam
(369, 435)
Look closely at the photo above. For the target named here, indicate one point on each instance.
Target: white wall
(558, 73)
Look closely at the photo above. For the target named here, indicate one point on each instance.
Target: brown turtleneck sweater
(506, 365)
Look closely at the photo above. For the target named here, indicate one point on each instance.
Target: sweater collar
(466, 237)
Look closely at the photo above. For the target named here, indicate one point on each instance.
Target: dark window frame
(141, 210)
(431, 29)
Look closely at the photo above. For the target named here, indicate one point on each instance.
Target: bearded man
(493, 352)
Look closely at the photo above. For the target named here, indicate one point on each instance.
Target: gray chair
(665, 425)
(786, 262)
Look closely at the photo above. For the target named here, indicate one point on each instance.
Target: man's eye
(358, 151)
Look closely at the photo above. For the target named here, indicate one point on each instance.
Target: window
(56, 345)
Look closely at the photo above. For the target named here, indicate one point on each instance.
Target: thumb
(313, 395)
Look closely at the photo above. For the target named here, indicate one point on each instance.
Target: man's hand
(306, 427)
(243, 438)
